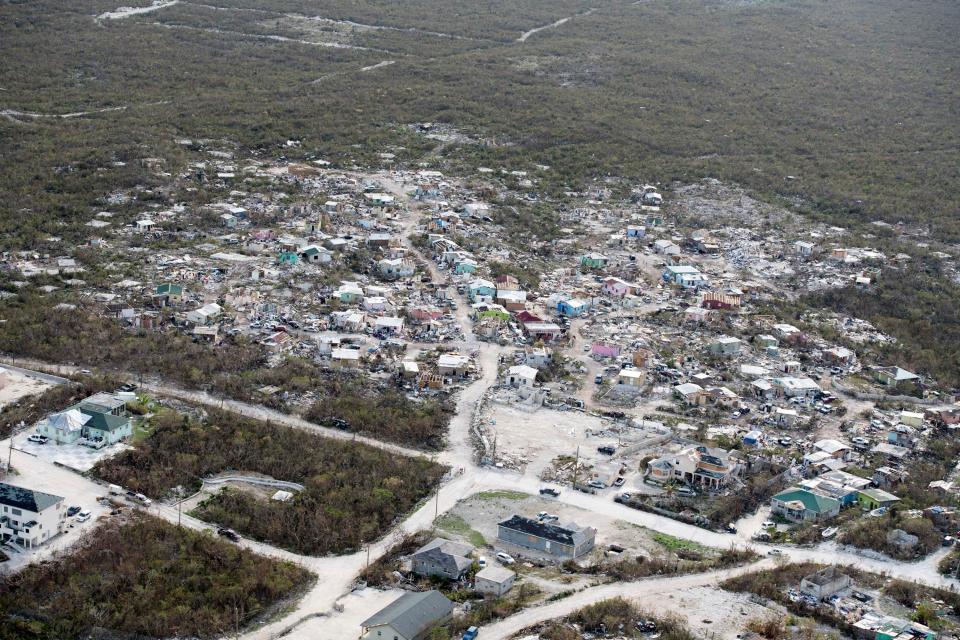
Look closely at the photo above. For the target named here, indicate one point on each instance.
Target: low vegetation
(682, 557)
(617, 616)
(872, 533)
(381, 413)
(352, 494)
(145, 578)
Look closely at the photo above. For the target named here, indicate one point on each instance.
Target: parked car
(72, 511)
(470, 633)
(607, 449)
(229, 534)
(482, 562)
(686, 492)
(619, 481)
(775, 552)
(549, 491)
(143, 499)
(84, 515)
(597, 484)
(505, 558)
(39, 439)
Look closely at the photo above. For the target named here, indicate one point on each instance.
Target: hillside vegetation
(857, 100)
(145, 578)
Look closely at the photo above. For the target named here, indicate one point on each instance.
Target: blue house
(482, 289)
(634, 231)
(753, 438)
(573, 307)
(685, 276)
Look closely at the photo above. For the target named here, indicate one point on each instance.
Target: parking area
(73, 456)
(41, 475)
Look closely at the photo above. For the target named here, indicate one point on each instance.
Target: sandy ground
(357, 607)
(14, 386)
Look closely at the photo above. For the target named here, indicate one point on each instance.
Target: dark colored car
(607, 449)
(549, 491)
(229, 534)
(72, 511)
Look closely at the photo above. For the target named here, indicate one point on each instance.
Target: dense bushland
(148, 578)
(353, 492)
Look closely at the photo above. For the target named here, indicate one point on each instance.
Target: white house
(388, 324)
(494, 580)
(30, 517)
(345, 358)
(205, 314)
(453, 364)
(395, 268)
(521, 376)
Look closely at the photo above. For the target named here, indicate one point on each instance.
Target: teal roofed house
(98, 421)
(288, 258)
(801, 505)
(594, 261)
(169, 293)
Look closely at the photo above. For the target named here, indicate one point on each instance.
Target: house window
(16, 512)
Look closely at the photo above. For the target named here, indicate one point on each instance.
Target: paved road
(37, 375)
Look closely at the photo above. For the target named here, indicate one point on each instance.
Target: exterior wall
(61, 437)
(48, 525)
(383, 632)
(496, 588)
(536, 543)
(424, 567)
(823, 591)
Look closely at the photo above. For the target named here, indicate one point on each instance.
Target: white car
(482, 562)
(84, 515)
(505, 558)
(36, 437)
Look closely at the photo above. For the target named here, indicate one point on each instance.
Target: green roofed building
(98, 421)
(169, 293)
(801, 505)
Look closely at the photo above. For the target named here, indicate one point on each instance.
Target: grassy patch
(674, 544)
(145, 578)
(504, 494)
(452, 523)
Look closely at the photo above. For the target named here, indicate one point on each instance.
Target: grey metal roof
(569, 534)
(26, 499)
(452, 556)
(412, 613)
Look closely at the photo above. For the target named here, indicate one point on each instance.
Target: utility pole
(436, 507)
(576, 464)
(10, 454)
